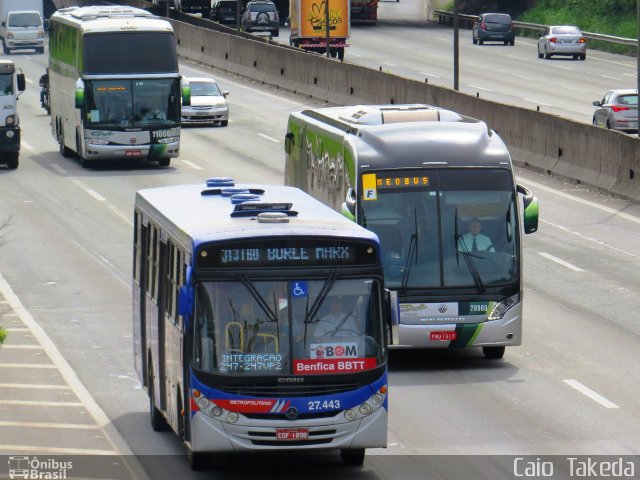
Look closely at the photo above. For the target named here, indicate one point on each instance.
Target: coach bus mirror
(186, 92)
(46, 24)
(349, 205)
(530, 203)
(185, 301)
(79, 93)
(21, 82)
(393, 317)
(289, 142)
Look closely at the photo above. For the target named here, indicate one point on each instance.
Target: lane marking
(112, 435)
(480, 88)
(591, 239)
(95, 195)
(430, 75)
(58, 168)
(609, 77)
(75, 426)
(271, 139)
(27, 365)
(17, 329)
(23, 347)
(589, 203)
(561, 262)
(34, 386)
(390, 64)
(590, 393)
(62, 451)
(26, 145)
(189, 163)
(41, 403)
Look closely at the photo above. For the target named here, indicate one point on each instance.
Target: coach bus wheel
(493, 352)
(12, 160)
(164, 162)
(198, 460)
(158, 423)
(352, 457)
(64, 150)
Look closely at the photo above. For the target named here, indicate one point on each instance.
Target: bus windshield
(459, 228)
(6, 85)
(284, 327)
(119, 104)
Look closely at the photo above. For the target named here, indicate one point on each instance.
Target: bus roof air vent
(250, 209)
(273, 217)
(220, 182)
(230, 191)
(242, 197)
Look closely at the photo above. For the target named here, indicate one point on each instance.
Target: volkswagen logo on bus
(442, 308)
(292, 413)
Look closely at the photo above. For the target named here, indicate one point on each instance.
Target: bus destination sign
(285, 255)
(371, 182)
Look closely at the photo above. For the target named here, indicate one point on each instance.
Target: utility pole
(326, 20)
(456, 46)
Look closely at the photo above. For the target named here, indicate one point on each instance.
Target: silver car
(617, 110)
(562, 40)
(208, 103)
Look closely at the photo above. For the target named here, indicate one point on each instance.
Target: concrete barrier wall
(603, 159)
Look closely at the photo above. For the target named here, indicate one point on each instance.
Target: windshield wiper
(412, 253)
(272, 315)
(310, 313)
(471, 265)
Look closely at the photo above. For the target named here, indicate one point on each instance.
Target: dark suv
(261, 16)
(224, 11)
(495, 27)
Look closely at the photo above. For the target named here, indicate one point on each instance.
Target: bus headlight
(216, 411)
(11, 119)
(203, 403)
(210, 409)
(168, 140)
(367, 407)
(232, 417)
(503, 307)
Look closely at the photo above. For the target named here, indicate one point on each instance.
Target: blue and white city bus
(260, 321)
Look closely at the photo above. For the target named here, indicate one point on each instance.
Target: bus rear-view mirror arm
(530, 203)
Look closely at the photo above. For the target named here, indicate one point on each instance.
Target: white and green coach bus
(425, 180)
(114, 84)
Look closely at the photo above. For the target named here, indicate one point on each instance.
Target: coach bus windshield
(445, 228)
(280, 327)
(119, 104)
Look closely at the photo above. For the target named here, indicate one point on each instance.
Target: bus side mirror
(21, 82)
(186, 94)
(289, 142)
(530, 202)
(185, 301)
(349, 205)
(393, 317)
(79, 93)
(46, 24)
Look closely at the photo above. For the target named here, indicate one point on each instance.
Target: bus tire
(493, 353)
(158, 422)
(352, 457)
(64, 150)
(12, 160)
(164, 162)
(198, 460)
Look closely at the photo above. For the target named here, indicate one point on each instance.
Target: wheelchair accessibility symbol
(299, 289)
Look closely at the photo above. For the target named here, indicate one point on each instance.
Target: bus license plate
(443, 336)
(292, 434)
(133, 153)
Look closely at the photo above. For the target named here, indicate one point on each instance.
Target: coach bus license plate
(292, 434)
(443, 336)
(133, 153)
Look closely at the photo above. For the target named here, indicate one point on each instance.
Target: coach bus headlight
(11, 120)
(203, 403)
(350, 415)
(97, 141)
(232, 417)
(217, 411)
(168, 140)
(503, 307)
(365, 409)
(377, 399)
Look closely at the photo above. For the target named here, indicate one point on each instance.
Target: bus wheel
(158, 423)
(164, 162)
(352, 457)
(198, 460)
(12, 160)
(64, 150)
(493, 352)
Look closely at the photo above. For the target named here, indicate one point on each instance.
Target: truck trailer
(309, 25)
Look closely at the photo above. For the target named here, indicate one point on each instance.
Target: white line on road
(590, 393)
(60, 451)
(609, 77)
(23, 347)
(561, 262)
(41, 403)
(26, 145)
(58, 168)
(389, 64)
(95, 195)
(430, 75)
(613, 211)
(480, 88)
(271, 139)
(352, 54)
(630, 74)
(34, 386)
(76, 426)
(27, 365)
(189, 163)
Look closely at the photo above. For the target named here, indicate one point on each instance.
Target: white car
(208, 103)
(562, 40)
